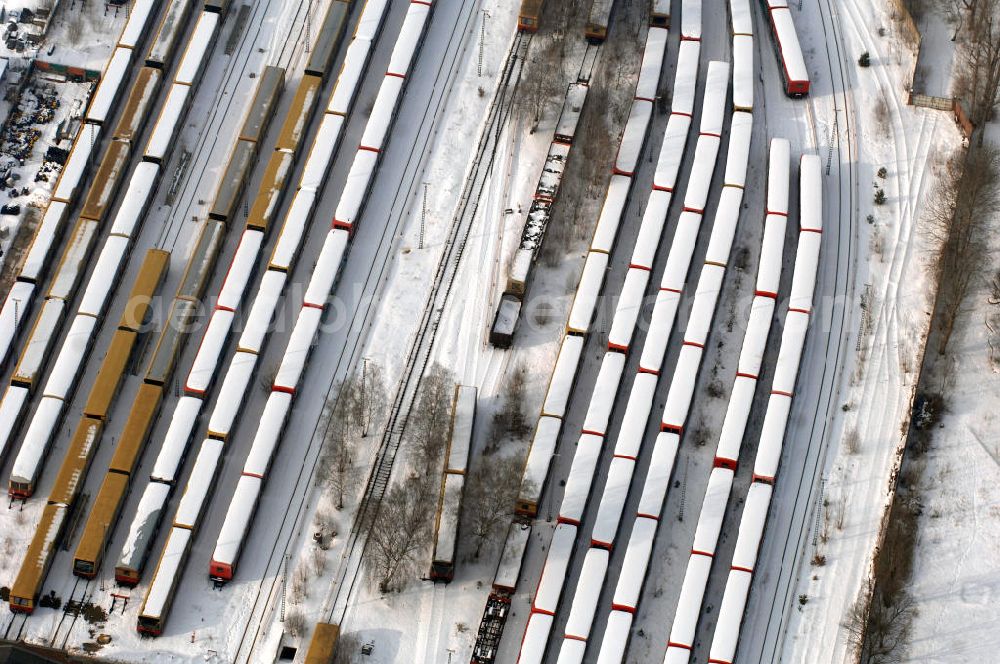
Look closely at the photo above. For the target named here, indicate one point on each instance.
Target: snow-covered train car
(727, 217)
(686, 77)
(789, 52)
(563, 376)
(588, 592)
(199, 484)
(509, 567)
(137, 23)
(640, 402)
(691, 20)
(74, 171)
(605, 390)
(206, 362)
(235, 527)
(137, 108)
(713, 511)
(628, 308)
(633, 137)
(324, 146)
(682, 631)
(706, 154)
(167, 124)
(772, 247)
(11, 408)
(446, 524)
(752, 526)
(327, 268)
(268, 435)
(536, 637)
(235, 387)
(359, 182)
(668, 163)
(36, 262)
(772, 436)
(411, 35)
(107, 269)
(793, 339)
(349, 79)
(550, 584)
(170, 29)
(661, 324)
(743, 73)
(569, 118)
(552, 172)
(462, 424)
(34, 448)
(66, 368)
(163, 587)
(727, 628)
(681, 251)
(135, 200)
(109, 176)
(810, 193)
(176, 440)
(536, 468)
(681, 392)
(300, 343)
(615, 639)
(193, 61)
(293, 228)
(741, 18)
(755, 338)
(800, 298)
(738, 154)
(734, 425)
(588, 291)
(611, 214)
(73, 262)
(660, 14)
(240, 270)
(651, 229)
(778, 176)
(141, 533)
(633, 569)
(571, 650)
(652, 64)
(609, 510)
(31, 364)
(658, 476)
(703, 310)
(258, 320)
(713, 106)
(383, 113)
(105, 97)
(580, 479)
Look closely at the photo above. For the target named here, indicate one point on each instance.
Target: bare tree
(489, 499)
(348, 646)
(429, 424)
(398, 536)
(511, 418)
(960, 211)
(977, 77)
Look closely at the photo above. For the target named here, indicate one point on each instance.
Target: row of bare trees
(402, 537)
(977, 74)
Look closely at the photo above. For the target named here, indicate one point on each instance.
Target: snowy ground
(875, 389)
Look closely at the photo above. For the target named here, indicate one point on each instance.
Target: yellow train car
(101, 522)
(28, 584)
(109, 378)
(528, 18)
(139, 306)
(138, 426)
(272, 186)
(300, 113)
(76, 463)
(323, 644)
(110, 174)
(139, 105)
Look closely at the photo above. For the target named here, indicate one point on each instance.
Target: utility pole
(365, 402)
(482, 41)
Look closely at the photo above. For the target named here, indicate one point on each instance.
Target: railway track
(74, 607)
(15, 627)
(295, 516)
(207, 140)
(420, 350)
(807, 500)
